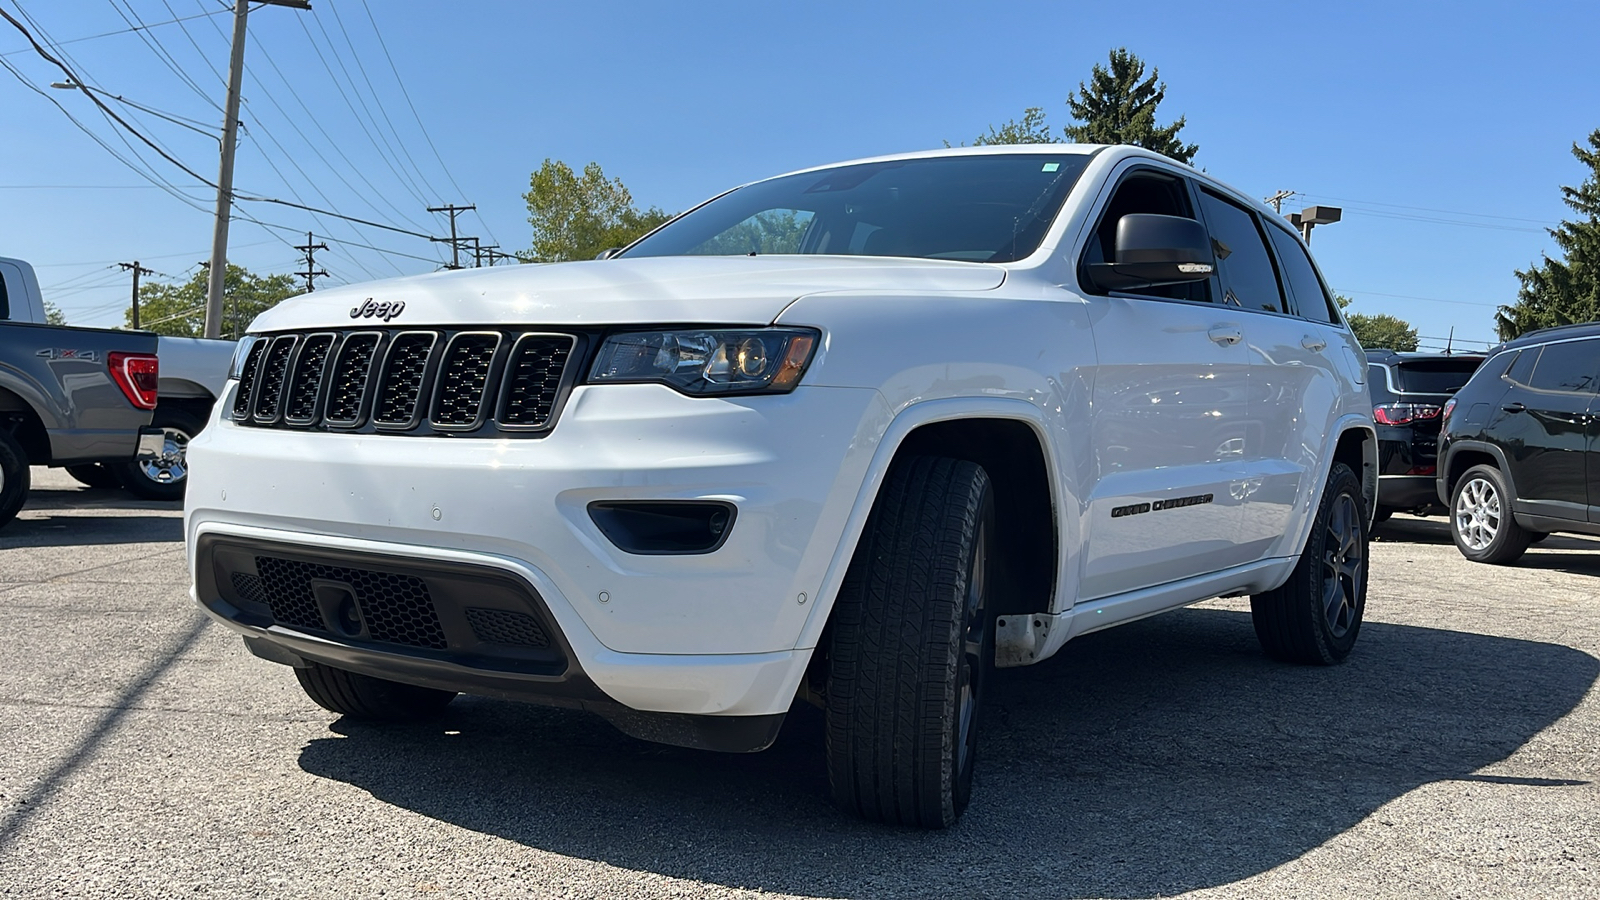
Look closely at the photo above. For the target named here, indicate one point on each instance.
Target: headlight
(710, 361)
(240, 354)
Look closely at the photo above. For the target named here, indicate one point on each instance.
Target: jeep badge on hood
(385, 311)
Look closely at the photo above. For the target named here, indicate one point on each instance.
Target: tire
(94, 475)
(911, 647)
(164, 478)
(14, 477)
(1481, 520)
(374, 699)
(1315, 616)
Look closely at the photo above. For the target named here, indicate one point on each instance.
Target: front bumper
(708, 634)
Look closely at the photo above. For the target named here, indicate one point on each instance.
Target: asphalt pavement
(145, 753)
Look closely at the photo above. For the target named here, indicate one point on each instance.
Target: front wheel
(1481, 520)
(911, 647)
(1314, 617)
(364, 697)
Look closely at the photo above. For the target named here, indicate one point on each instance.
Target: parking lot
(1455, 754)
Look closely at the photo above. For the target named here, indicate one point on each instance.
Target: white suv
(853, 435)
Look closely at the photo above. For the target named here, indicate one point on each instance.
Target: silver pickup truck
(193, 372)
(68, 396)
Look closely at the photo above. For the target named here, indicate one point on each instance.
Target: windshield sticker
(1051, 167)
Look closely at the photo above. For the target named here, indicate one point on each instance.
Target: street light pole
(230, 135)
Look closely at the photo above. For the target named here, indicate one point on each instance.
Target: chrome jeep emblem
(385, 311)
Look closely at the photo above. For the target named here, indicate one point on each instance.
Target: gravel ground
(146, 754)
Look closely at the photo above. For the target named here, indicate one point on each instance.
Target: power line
(312, 272)
(135, 28)
(455, 242)
(160, 51)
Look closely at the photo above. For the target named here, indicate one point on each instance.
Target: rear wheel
(1314, 617)
(911, 647)
(166, 476)
(14, 476)
(364, 697)
(1481, 520)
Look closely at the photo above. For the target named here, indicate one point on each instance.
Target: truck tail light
(137, 374)
(1403, 413)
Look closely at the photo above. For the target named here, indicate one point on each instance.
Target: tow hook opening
(337, 601)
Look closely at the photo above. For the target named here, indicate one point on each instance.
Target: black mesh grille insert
(403, 373)
(249, 588)
(247, 378)
(274, 370)
(500, 626)
(306, 381)
(463, 378)
(351, 372)
(396, 608)
(533, 379)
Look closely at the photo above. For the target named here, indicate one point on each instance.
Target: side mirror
(1154, 250)
(608, 253)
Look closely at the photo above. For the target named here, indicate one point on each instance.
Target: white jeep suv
(853, 436)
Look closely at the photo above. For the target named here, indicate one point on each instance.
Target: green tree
(1030, 129)
(1118, 106)
(180, 309)
(1380, 330)
(53, 314)
(577, 216)
(1564, 291)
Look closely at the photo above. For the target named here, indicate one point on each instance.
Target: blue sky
(1443, 129)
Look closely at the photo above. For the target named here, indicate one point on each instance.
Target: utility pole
(491, 253)
(312, 272)
(455, 242)
(1277, 200)
(230, 139)
(137, 271)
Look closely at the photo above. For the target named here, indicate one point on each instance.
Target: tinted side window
(1568, 367)
(5, 302)
(1310, 297)
(1144, 192)
(1522, 367)
(1248, 274)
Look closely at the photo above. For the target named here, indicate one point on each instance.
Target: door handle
(1312, 343)
(1226, 335)
(1513, 407)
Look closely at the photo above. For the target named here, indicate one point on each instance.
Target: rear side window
(1567, 367)
(1248, 275)
(5, 300)
(1311, 298)
(1522, 367)
(1436, 376)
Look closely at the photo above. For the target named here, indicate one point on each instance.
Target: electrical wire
(161, 53)
(420, 126)
(91, 37)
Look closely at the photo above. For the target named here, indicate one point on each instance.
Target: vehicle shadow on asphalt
(81, 530)
(1560, 552)
(1160, 757)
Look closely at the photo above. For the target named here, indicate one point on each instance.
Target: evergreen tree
(1118, 106)
(1564, 291)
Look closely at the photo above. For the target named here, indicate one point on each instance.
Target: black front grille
(352, 371)
(394, 608)
(305, 382)
(533, 379)
(464, 379)
(476, 383)
(274, 369)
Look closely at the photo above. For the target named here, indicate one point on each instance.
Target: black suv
(1409, 391)
(1521, 445)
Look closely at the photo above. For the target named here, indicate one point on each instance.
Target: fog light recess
(664, 527)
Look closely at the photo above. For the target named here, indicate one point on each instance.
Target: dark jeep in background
(1520, 450)
(1409, 391)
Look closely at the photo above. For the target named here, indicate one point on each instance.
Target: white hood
(731, 290)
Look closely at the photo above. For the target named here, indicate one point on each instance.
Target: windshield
(972, 208)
